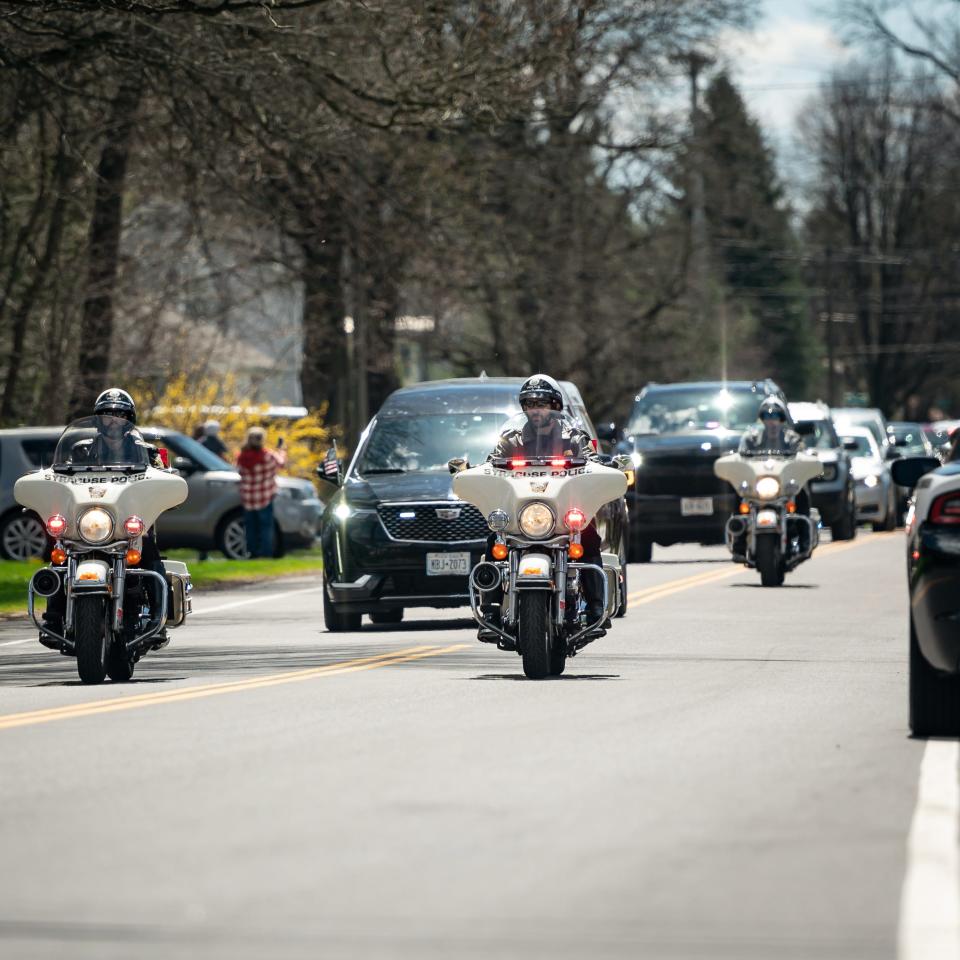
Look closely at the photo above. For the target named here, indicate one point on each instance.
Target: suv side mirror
(456, 464)
(805, 428)
(850, 445)
(907, 471)
(893, 454)
(185, 465)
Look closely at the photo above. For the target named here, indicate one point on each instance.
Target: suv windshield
(696, 408)
(101, 443)
(818, 435)
(413, 443)
(864, 446)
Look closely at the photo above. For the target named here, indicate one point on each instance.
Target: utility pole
(700, 260)
(831, 373)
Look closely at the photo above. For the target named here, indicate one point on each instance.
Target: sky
(780, 64)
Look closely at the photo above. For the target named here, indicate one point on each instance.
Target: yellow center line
(33, 717)
(676, 586)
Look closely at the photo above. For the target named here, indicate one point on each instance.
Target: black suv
(394, 535)
(675, 433)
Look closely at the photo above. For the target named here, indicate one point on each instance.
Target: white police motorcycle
(98, 499)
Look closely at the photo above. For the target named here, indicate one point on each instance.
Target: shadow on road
(671, 563)
(566, 676)
(783, 586)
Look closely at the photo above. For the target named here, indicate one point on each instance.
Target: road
(726, 775)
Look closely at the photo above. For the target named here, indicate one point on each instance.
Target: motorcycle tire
(769, 561)
(846, 527)
(640, 551)
(336, 621)
(393, 615)
(544, 655)
(624, 593)
(90, 638)
(120, 664)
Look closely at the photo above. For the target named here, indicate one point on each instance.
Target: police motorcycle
(769, 534)
(99, 497)
(537, 508)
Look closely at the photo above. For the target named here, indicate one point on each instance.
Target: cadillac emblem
(448, 513)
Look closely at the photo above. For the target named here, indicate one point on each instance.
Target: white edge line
(14, 643)
(930, 903)
(249, 600)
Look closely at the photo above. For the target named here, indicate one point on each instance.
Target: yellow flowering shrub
(185, 403)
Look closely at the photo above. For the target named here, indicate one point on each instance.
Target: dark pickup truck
(675, 433)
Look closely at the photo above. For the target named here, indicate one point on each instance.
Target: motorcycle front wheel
(544, 654)
(769, 561)
(90, 637)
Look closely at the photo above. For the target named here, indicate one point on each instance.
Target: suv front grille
(427, 526)
(679, 476)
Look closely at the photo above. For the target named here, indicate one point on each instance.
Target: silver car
(875, 489)
(211, 518)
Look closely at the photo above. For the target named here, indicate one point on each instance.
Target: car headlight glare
(536, 520)
(871, 480)
(96, 526)
(341, 511)
(637, 458)
(767, 488)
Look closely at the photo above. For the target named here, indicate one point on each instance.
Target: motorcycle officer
(118, 405)
(772, 435)
(547, 433)
(771, 432)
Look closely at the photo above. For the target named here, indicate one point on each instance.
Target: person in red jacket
(258, 467)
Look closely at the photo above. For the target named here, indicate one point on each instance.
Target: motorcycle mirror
(623, 462)
(184, 465)
(607, 432)
(456, 464)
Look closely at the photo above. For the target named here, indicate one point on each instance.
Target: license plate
(448, 564)
(696, 506)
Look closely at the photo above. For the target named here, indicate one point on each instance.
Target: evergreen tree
(751, 239)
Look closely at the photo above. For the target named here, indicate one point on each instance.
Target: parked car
(22, 534)
(908, 440)
(674, 434)
(933, 576)
(210, 518)
(869, 417)
(876, 493)
(394, 535)
(834, 495)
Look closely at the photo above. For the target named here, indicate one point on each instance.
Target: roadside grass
(14, 574)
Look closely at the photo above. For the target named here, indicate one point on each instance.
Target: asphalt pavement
(727, 774)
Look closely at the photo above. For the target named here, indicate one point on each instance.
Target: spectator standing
(258, 467)
(211, 438)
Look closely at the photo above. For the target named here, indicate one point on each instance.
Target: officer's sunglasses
(535, 404)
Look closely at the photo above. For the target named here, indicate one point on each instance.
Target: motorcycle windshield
(102, 443)
(540, 435)
(768, 442)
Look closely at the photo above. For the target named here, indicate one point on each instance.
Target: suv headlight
(829, 472)
(96, 525)
(536, 520)
(767, 488)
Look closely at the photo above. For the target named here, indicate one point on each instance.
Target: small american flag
(331, 465)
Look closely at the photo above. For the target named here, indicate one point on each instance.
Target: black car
(834, 495)
(394, 535)
(933, 572)
(675, 433)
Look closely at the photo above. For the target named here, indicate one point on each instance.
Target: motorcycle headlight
(767, 488)
(498, 520)
(96, 526)
(536, 520)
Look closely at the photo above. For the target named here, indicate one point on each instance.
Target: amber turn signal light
(575, 551)
(133, 557)
(744, 507)
(58, 556)
(791, 507)
(499, 551)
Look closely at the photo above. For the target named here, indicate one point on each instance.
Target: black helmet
(773, 407)
(116, 403)
(542, 387)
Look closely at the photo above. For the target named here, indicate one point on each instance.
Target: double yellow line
(34, 717)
